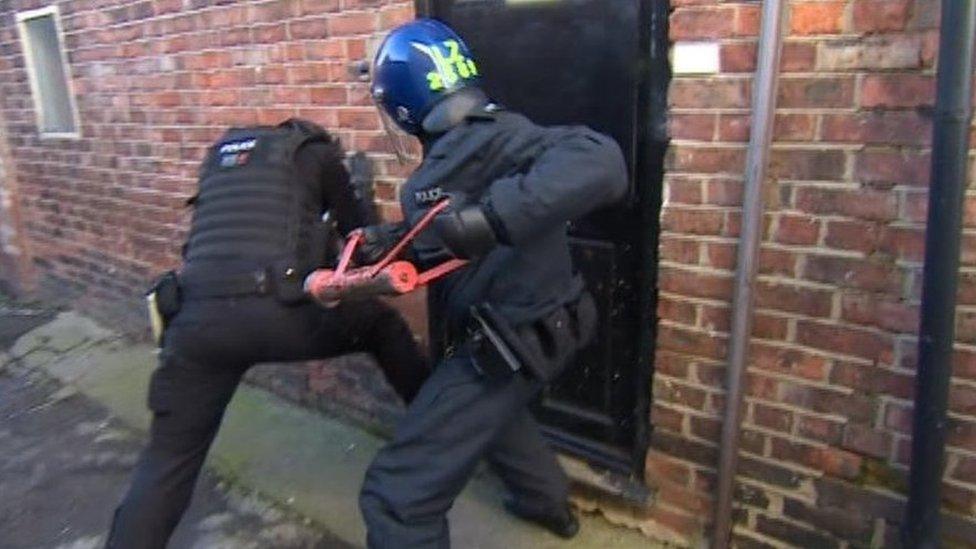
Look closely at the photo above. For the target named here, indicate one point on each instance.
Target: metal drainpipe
(763, 112)
(950, 151)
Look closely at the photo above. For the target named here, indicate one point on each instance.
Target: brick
(392, 16)
(699, 127)
(788, 361)
(959, 499)
(797, 229)
(737, 57)
(807, 165)
(683, 190)
(328, 95)
(666, 418)
(798, 57)
(834, 521)
(794, 127)
(769, 473)
(816, 17)
(884, 127)
(858, 501)
(777, 262)
(723, 192)
(769, 327)
(832, 461)
(863, 204)
(898, 418)
(866, 440)
(716, 160)
(846, 272)
(733, 128)
(792, 298)
(690, 341)
(880, 15)
(353, 23)
(887, 314)
(843, 339)
(679, 393)
(715, 318)
(751, 495)
(897, 90)
(852, 235)
(962, 399)
(899, 168)
(719, 255)
(690, 450)
(773, 418)
(701, 93)
(317, 7)
(661, 469)
(961, 432)
(820, 429)
(680, 251)
(747, 20)
(701, 22)
(877, 53)
(707, 428)
(672, 364)
(308, 28)
(904, 243)
(820, 92)
(965, 470)
(687, 221)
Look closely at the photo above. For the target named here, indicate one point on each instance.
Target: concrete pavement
(301, 460)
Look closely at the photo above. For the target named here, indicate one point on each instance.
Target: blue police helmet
(419, 64)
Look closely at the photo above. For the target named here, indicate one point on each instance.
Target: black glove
(377, 241)
(467, 232)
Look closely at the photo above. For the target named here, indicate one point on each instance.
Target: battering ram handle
(329, 287)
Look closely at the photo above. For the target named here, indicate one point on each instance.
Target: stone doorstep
(310, 462)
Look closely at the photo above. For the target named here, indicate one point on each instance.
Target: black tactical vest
(253, 208)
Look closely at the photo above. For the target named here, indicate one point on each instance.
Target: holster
(541, 349)
(164, 300)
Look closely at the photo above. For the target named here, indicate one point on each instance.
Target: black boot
(563, 522)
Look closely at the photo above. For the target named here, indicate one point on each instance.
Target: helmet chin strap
(451, 110)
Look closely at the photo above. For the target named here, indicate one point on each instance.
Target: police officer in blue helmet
(514, 318)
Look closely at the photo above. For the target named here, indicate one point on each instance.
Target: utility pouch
(288, 282)
(491, 351)
(163, 301)
(543, 348)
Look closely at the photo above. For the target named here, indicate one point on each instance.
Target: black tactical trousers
(207, 349)
(458, 418)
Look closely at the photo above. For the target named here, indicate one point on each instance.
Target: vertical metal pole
(763, 112)
(950, 151)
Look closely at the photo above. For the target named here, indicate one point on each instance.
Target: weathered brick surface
(831, 368)
(828, 394)
(156, 82)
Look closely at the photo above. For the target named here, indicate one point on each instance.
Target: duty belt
(234, 285)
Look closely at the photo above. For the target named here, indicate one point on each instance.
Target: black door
(599, 63)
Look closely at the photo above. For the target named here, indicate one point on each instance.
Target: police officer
(514, 317)
(257, 231)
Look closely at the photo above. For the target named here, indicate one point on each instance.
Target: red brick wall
(831, 368)
(831, 371)
(156, 82)
(15, 264)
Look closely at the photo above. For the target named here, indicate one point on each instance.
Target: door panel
(588, 62)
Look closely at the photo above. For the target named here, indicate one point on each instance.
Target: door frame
(651, 144)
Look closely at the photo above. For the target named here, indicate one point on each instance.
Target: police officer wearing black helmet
(513, 319)
(257, 231)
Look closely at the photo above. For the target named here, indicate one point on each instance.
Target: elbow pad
(467, 232)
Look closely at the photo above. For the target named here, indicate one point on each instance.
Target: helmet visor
(401, 142)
